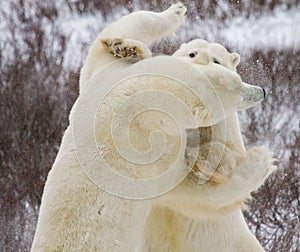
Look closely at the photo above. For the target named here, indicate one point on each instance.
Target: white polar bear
(208, 217)
(77, 215)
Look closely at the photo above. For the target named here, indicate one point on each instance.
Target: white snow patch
(278, 30)
(80, 31)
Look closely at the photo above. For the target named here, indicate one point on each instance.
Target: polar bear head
(219, 67)
(203, 52)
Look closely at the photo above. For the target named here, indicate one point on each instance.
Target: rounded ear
(235, 59)
(180, 50)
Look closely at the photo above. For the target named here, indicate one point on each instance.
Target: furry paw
(257, 166)
(128, 49)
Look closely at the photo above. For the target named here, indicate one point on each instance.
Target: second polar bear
(208, 215)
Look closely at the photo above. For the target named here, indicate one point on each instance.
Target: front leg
(147, 26)
(129, 49)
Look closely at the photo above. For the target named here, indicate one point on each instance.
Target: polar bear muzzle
(251, 95)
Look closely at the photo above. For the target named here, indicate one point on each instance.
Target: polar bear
(77, 215)
(204, 213)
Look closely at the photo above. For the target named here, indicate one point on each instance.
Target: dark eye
(192, 55)
(216, 61)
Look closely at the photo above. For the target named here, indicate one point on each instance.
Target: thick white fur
(208, 217)
(205, 52)
(141, 28)
(76, 215)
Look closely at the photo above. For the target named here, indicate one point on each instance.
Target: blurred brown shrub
(274, 213)
(36, 94)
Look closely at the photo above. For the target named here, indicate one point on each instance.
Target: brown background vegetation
(37, 92)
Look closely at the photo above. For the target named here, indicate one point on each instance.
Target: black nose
(264, 92)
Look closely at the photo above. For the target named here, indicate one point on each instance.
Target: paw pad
(119, 48)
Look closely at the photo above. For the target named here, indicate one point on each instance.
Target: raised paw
(128, 49)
